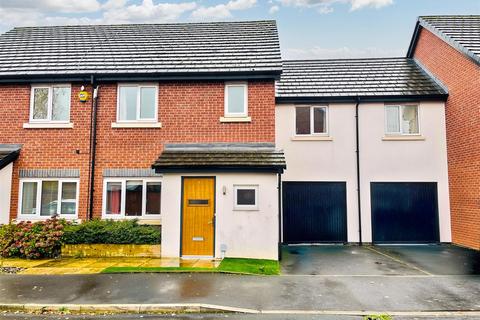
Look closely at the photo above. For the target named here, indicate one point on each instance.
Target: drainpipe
(357, 151)
(279, 216)
(93, 146)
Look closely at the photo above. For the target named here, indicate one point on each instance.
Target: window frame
(244, 114)
(312, 121)
(123, 182)
(139, 86)
(243, 207)
(49, 102)
(39, 181)
(400, 115)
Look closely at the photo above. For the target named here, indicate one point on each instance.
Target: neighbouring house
(365, 145)
(449, 47)
(94, 107)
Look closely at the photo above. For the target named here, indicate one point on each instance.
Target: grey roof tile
(460, 31)
(354, 77)
(250, 46)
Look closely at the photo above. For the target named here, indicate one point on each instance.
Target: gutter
(357, 151)
(93, 146)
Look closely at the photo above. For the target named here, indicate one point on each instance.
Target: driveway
(398, 260)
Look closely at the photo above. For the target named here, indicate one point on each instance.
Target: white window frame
(241, 207)
(49, 103)
(312, 133)
(245, 95)
(139, 86)
(39, 182)
(123, 182)
(400, 114)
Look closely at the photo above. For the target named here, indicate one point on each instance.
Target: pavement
(317, 281)
(97, 265)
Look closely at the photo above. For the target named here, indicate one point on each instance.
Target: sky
(308, 29)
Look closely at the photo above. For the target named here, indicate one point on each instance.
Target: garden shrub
(111, 232)
(32, 240)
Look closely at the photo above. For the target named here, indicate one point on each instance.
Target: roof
(250, 47)
(347, 79)
(262, 157)
(461, 32)
(8, 154)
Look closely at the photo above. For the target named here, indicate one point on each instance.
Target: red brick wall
(189, 113)
(462, 77)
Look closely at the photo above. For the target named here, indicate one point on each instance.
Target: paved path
(350, 293)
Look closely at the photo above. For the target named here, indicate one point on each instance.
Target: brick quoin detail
(462, 77)
(189, 112)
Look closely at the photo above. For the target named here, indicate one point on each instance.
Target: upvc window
(245, 197)
(43, 198)
(401, 120)
(236, 99)
(311, 120)
(50, 103)
(137, 103)
(135, 198)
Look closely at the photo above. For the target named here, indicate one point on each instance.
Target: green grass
(228, 265)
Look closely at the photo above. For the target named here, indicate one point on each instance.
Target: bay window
(130, 198)
(43, 198)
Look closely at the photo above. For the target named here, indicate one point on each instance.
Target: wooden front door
(198, 216)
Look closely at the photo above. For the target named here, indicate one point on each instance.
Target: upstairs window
(236, 100)
(50, 103)
(401, 120)
(311, 120)
(137, 103)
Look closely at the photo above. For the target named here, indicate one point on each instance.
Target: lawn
(228, 265)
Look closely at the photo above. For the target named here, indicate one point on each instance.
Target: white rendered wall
(5, 192)
(245, 234)
(380, 160)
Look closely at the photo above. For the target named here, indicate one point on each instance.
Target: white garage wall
(5, 192)
(246, 234)
(334, 159)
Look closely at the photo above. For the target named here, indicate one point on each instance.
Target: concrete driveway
(398, 260)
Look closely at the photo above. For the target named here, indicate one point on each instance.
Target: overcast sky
(308, 28)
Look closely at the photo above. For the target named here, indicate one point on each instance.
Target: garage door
(314, 212)
(404, 212)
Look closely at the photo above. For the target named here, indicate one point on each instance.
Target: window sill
(141, 219)
(136, 125)
(311, 138)
(235, 119)
(403, 138)
(43, 218)
(48, 125)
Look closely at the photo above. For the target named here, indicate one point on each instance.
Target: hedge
(111, 232)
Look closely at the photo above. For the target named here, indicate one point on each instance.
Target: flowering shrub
(32, 240)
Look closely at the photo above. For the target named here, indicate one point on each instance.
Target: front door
(198, 216)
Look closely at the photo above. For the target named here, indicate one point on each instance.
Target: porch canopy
(220, 157)
(8, 154)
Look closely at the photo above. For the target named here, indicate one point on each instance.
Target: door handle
(212, 221)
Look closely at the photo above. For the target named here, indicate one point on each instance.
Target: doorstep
(97, 265)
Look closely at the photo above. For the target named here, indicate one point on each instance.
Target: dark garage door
(404, 212)
(314, 212)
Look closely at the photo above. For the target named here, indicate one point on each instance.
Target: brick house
(449, 47)
(192, 126)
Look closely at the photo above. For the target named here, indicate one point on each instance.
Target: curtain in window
(69, 198)
(147, 103)
(49, 198)
(128, 103)
(114, 197)
(302, 120)
(40, 104)
(29, 198)
(319, 120)
(392, 115)
(133, 198)
(61, 104)
(236, 99)
(154, 191)
(410, 119)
